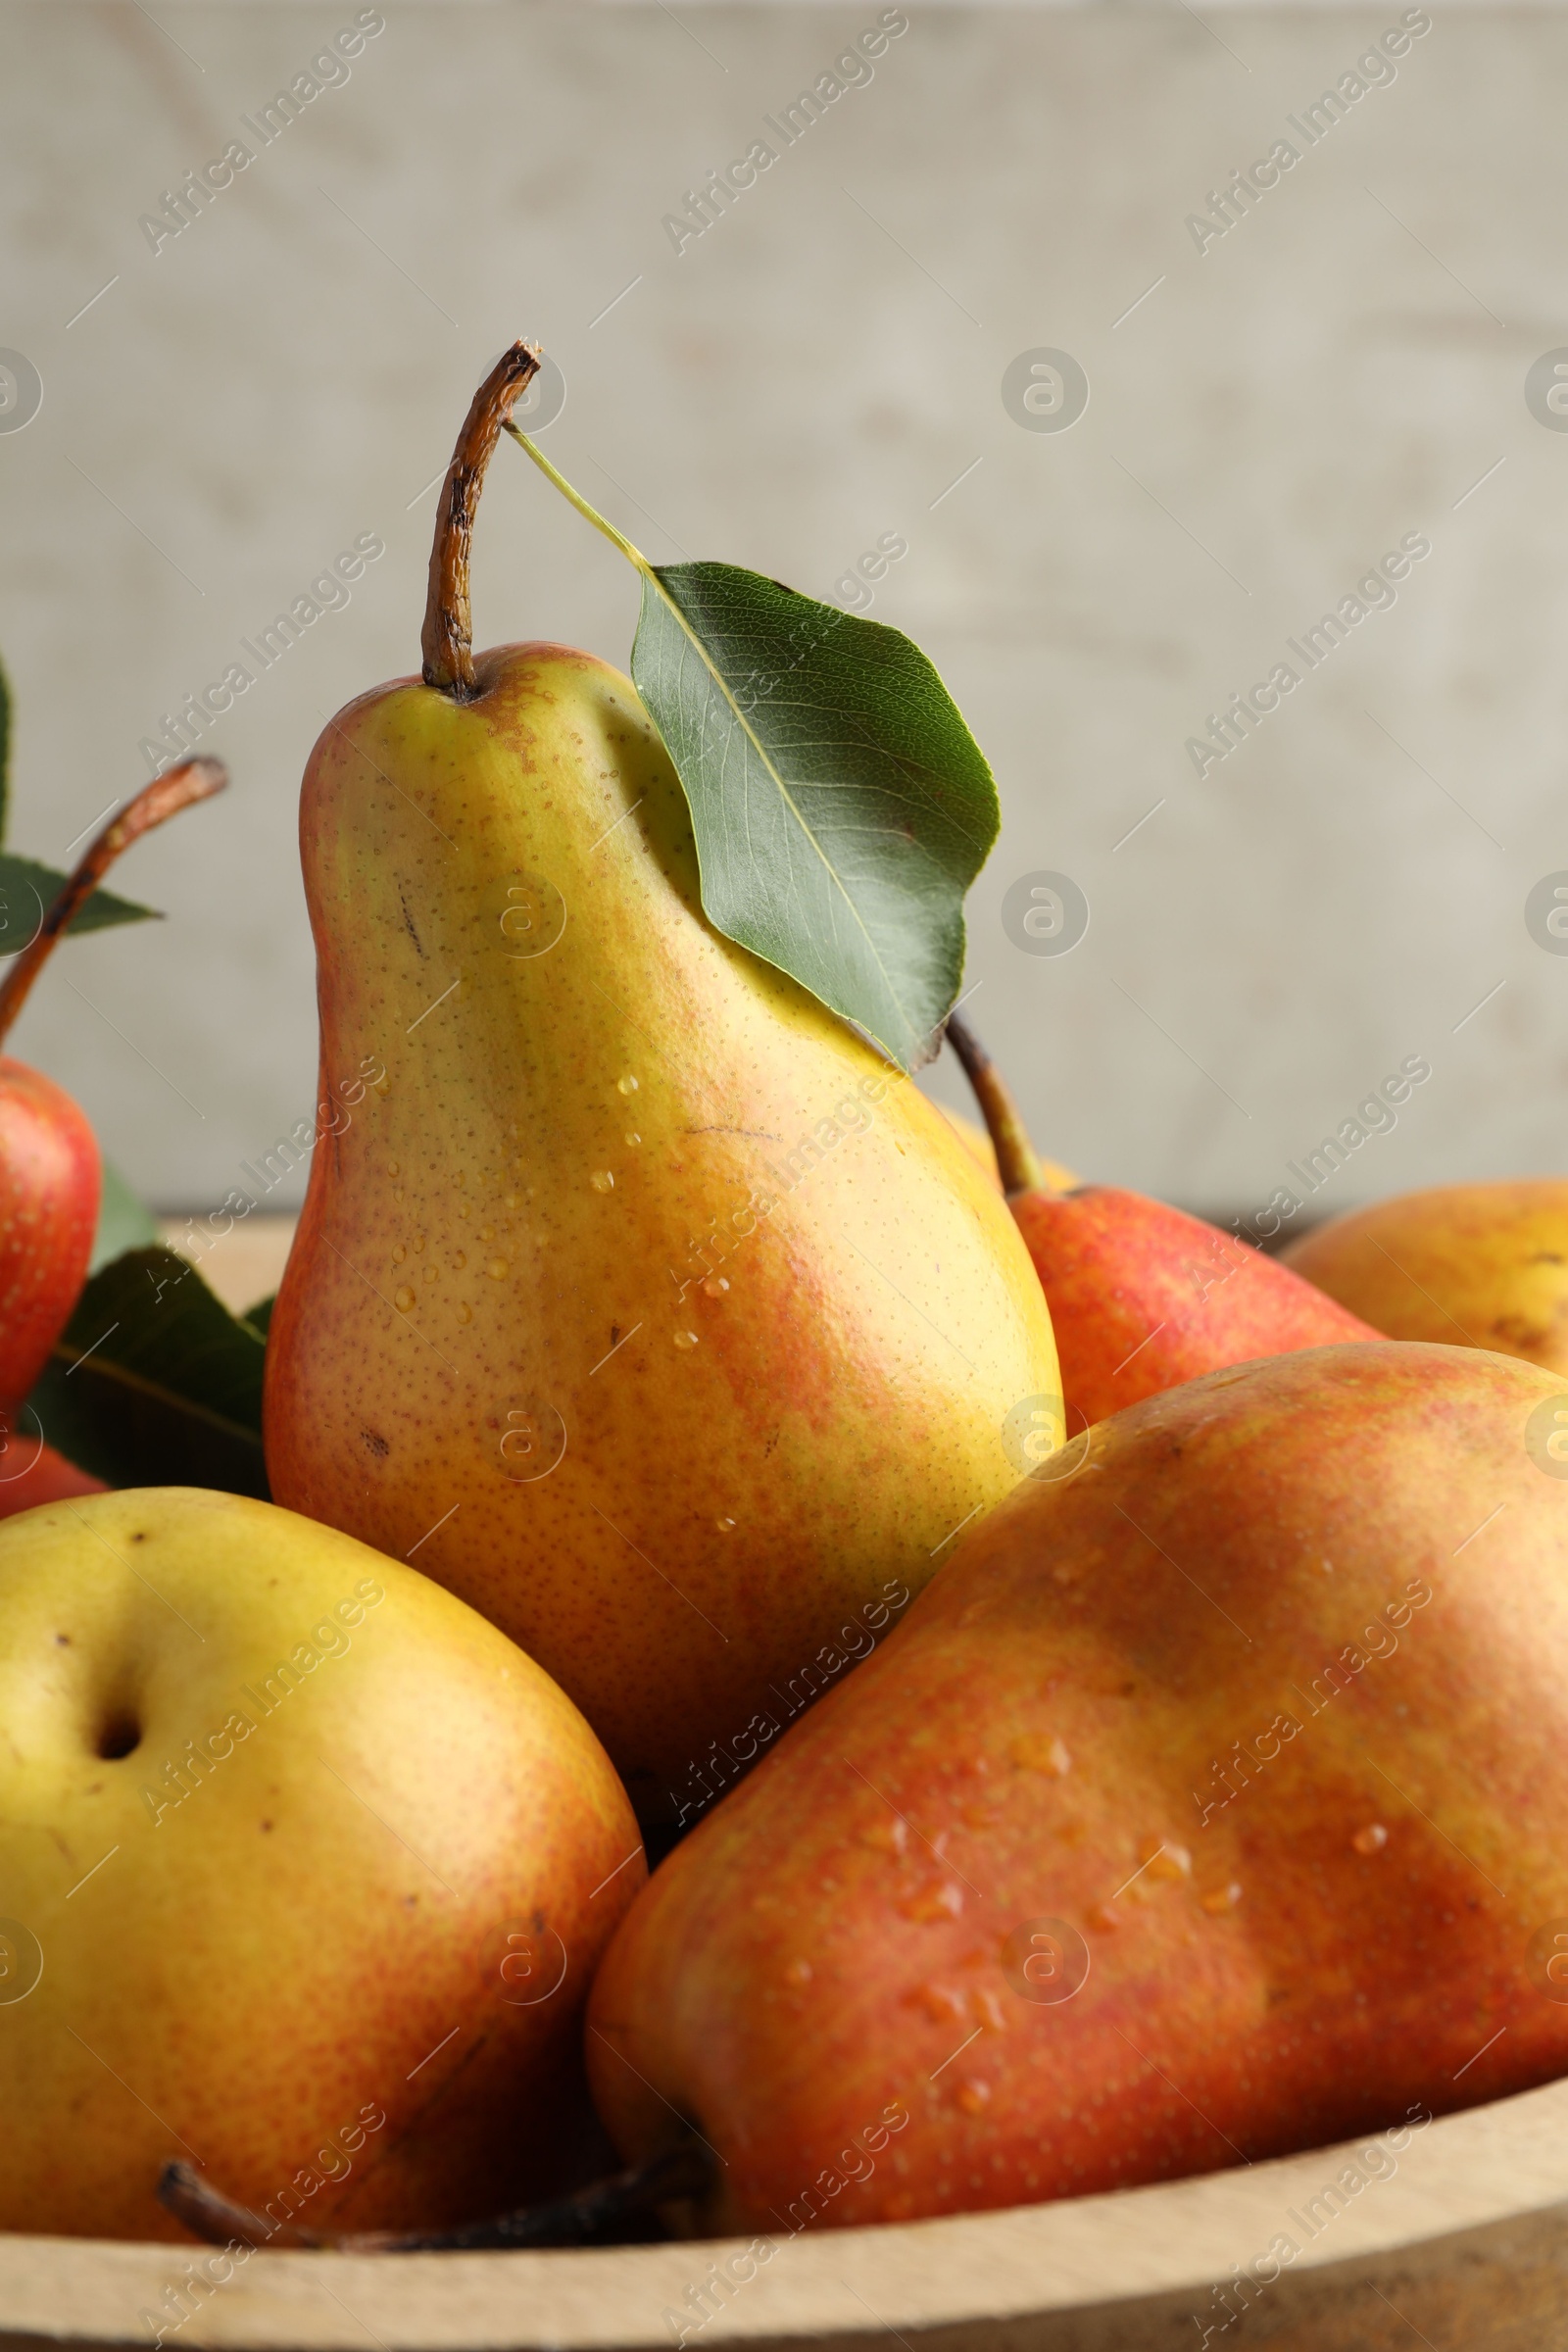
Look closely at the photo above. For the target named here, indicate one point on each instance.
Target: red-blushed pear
(661, 1312)
(1476, 1265)
(1206, 1807)
(305, 1871)
(49, 1167)
(1141, 1295)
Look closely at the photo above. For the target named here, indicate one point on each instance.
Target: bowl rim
(1485, 2167)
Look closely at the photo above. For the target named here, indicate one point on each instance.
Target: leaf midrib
(692, 638)
(106, 1368)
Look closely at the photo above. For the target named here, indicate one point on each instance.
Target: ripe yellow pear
(974, 1140)
(1473, 1266)
(645, 1304)
(305, 1871)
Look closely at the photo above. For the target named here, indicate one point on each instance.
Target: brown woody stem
(572, 2221)
(448, 636)
(1017, 1161)
(192, 780)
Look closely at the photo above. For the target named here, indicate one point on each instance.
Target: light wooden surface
(1460, 2248)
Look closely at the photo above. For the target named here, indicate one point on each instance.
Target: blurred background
(1004, 303)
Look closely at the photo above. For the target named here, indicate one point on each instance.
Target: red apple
(50, 1174)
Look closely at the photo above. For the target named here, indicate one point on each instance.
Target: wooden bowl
(1455, 2241)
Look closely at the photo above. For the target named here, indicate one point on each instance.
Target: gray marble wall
(1271, 410)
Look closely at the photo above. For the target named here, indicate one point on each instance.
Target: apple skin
(50, 1178)
(1143, 1297)
(44, 1476)
(824, 1953)
(1474, 1265)
(314, 1934)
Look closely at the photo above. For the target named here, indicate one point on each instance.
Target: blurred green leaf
(125, 1222)
(28, 887)
(260, 1317)
(154, 1383)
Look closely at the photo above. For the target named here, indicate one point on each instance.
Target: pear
(974, 1139)
(1208, 1805)
(645, 1305)
(1141, 1295)
(1478, 1265)
(305, 1869)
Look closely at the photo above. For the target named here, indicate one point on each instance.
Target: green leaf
(124, 1221)
(27, 888)
(259, 1316)
(5, 749)
(154, 1383)
(842, 807)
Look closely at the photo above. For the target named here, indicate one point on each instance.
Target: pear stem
(177, 788)
(446, 639)
(570, 2220)
(617, 539)
(1017, 1161)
